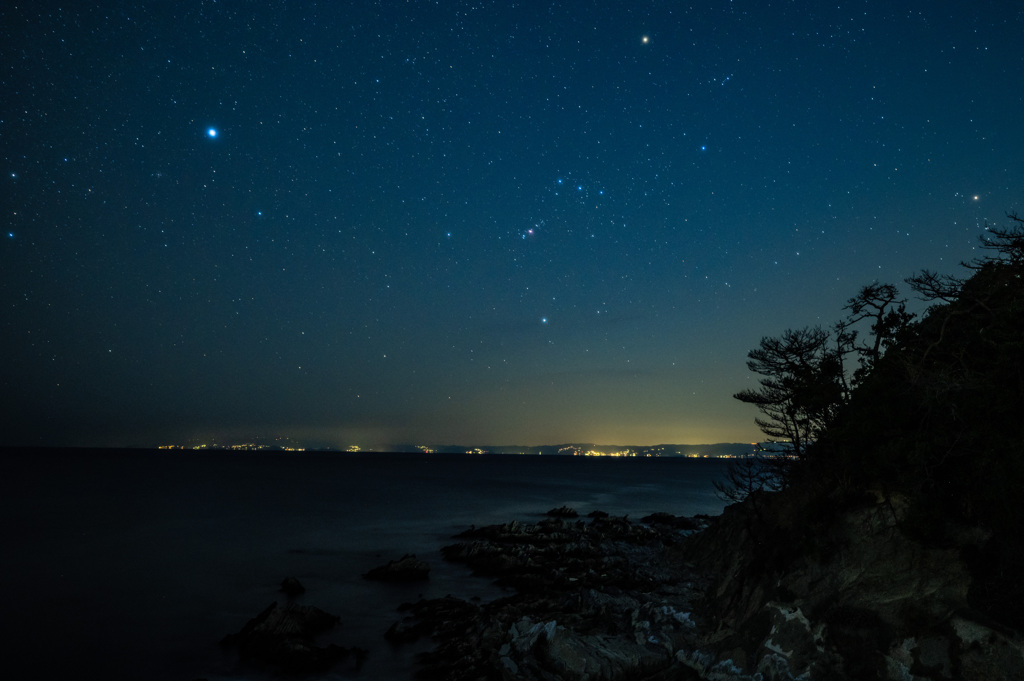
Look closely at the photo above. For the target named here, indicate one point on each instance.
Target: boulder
(406, 569)
(676, 521)
(282, 638)
(563, 512)
(292, 587)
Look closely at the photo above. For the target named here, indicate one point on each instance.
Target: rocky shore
(773, 589)
(600, 598)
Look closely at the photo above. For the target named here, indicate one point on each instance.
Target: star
(211, 132)
(645, 39)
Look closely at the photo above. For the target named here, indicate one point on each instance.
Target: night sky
(474, 222)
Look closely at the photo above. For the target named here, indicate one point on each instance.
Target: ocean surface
(124, 564)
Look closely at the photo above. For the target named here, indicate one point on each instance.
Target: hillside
(895, 547)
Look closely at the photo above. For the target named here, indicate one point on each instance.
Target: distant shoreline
(712, 451)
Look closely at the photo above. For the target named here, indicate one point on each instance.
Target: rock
(986, 653)
(599, 600)
(570, 655)
(784, 587)
(678, 522)
(282, 638)
(291, 587)
(556, 553)
(406, 569)
(563, 512)
(808, 586)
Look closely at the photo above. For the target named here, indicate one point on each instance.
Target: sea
(130, 564)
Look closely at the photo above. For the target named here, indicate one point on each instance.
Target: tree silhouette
(934, 416)
(801, 389)
(882, 305)
(751, 474)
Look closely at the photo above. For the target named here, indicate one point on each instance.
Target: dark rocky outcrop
(292, 587)
(679, 522)
(780, 587)
(815, 586)
(406, 569)
(281, 638)
(607, 599)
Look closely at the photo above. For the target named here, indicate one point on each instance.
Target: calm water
(135, 564)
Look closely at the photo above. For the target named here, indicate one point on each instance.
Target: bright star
(645, 39)
(211, 133)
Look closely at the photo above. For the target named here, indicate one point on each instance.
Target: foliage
(799, 390)
(751, 474)
(806, 383)
(882, 305)
(939, 414)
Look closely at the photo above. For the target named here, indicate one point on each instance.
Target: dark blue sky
(470, 222)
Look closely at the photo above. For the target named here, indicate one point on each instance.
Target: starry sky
(474, 222)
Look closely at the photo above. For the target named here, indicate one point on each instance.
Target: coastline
(600, 597)
(781, 585)
(142, 564)
(762, 592)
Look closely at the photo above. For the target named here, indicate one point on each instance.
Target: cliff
(810, 585)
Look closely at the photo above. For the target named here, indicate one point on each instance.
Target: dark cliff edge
(818, 585)
(895, 549)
